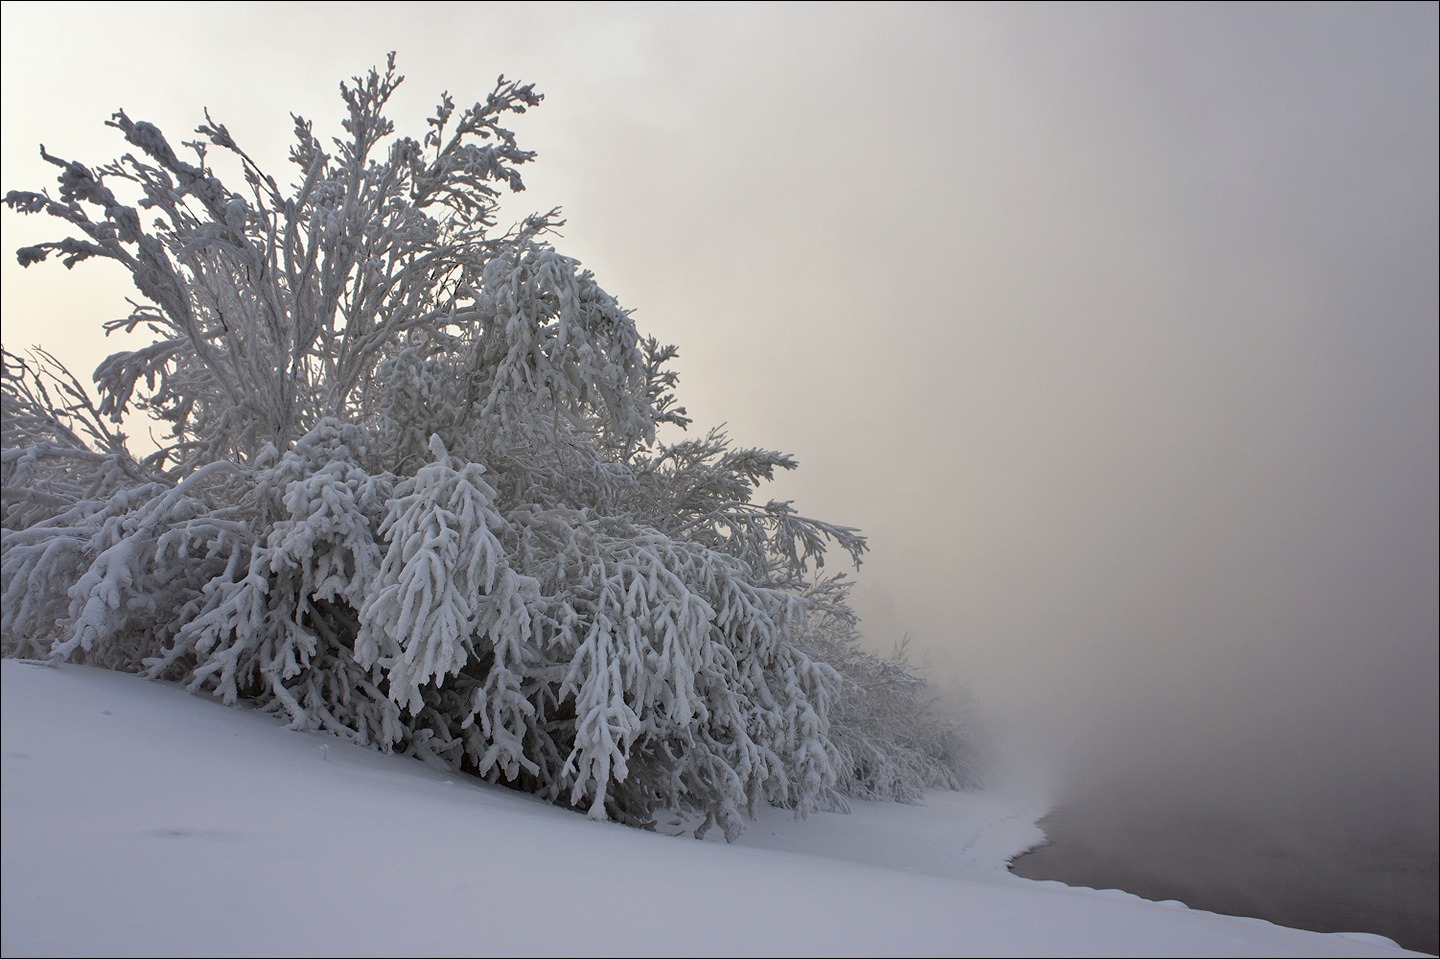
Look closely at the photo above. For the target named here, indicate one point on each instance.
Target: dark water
(1324, 883)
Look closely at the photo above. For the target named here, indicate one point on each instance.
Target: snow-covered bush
(408, 488)
(896, 736)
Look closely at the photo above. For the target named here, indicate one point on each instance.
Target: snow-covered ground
(140, 820)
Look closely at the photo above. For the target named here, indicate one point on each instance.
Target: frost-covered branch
(410, 486)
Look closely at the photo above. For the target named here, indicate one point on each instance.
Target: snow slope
(139, 820)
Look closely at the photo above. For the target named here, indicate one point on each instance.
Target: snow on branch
(409, 487)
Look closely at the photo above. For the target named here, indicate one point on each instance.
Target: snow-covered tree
(408, 488)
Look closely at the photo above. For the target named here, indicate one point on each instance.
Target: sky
(346, 852)
(1114, 327)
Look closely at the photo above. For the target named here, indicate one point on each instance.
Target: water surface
(1327, 883)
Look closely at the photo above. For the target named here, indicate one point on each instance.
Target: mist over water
(1115, 329)
(1323, 881)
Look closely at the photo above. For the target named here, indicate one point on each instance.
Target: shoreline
(1380, 889)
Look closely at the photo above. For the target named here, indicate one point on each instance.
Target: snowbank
(139, 820)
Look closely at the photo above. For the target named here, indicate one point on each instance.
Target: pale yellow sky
(1113, 326)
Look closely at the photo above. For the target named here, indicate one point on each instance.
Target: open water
(1326, 884)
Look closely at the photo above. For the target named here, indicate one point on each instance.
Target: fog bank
(1113, 327)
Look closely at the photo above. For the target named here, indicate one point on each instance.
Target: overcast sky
(1114, 327)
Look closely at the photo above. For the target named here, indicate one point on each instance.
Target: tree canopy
(412, 485)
